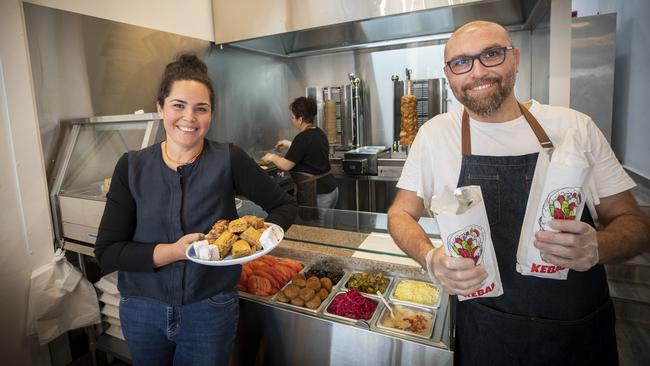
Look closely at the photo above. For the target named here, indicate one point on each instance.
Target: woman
(308, 155)
(161, 199)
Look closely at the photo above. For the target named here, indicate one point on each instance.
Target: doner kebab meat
(409, 123)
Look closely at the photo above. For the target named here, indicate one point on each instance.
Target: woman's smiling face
(186, 113)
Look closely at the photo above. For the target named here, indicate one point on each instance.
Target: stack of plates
(110, 301)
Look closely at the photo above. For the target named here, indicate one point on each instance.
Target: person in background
(536, 321)
(161, 199)
(308, 156)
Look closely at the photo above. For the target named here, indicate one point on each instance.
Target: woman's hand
(164, 254)
(283, 144)
(185, 241)
(268, 158)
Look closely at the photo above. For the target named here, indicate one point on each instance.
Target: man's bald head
(471, 30)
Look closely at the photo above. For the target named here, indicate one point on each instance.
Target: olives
(326, 269)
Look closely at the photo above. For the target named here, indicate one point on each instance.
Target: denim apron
(536, 321)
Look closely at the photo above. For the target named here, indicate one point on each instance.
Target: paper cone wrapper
(467, 235)
(560, 196)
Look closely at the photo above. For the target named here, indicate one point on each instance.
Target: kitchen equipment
(91, 148)
(340, 113)
(363, 160)
(430, 94)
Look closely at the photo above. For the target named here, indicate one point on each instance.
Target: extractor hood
(291, 28)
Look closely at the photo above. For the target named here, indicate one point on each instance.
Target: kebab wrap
(557, 192)
(465, 231)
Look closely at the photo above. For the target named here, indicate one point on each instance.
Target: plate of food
(232, 242)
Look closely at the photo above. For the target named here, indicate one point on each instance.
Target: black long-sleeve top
(148, 204)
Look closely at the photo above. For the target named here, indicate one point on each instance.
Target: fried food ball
(327, 283)
(314, 283)
(297, 301)
(313, 303)
(322, 293)
(298, 276)
(281, 297)
(300, 282)
(307, 294)
(291, 291)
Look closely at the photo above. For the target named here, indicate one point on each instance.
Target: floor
(86, 360)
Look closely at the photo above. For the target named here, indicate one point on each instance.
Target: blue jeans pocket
(222, 300)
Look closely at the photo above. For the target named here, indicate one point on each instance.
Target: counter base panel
(269, 335)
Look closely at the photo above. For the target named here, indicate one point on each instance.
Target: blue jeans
(201, 333)
(328, 200)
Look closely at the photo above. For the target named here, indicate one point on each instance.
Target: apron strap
(542, 137)
(310, 178)
(466, 142)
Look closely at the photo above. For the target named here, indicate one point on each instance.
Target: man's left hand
(575, 246)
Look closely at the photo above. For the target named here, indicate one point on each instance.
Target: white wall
(631, 121)
(26, 237)
(192, 18)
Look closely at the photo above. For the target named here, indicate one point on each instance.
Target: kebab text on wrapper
(465, 232)
(557, 192)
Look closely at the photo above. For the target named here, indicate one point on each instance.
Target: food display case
(274, 330)
(82, 175)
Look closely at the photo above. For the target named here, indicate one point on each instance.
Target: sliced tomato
(268, 276)
(257, 285)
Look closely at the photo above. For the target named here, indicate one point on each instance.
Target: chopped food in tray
(416, 291)
(408, 320)
(367, 282)
(307, 292)
(266, 275)
(326, 269)
(351, 304)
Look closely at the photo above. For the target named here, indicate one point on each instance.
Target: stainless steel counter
(373, 193)
(270, 335)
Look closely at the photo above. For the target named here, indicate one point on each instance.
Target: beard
(487, 105)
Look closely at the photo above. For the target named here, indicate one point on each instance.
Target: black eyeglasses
(489, 58)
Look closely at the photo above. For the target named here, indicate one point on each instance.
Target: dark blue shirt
(149, 203)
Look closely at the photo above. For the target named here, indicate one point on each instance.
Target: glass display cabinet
(91, 148)
(272, 331)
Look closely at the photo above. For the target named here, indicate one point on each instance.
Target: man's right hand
(457, 276)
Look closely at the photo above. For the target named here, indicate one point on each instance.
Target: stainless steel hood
(291, 28)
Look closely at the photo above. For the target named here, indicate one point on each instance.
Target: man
(535, 321)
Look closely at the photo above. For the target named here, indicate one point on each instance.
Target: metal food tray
(392, 298)
(405, 333)
(248, 295)
(304, 308)
(345, 274)
(364, 322)
(345, 280)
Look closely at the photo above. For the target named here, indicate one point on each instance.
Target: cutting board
(384, 243)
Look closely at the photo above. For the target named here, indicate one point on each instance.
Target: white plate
(270, 239)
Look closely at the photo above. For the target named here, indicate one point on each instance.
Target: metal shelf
(114, 346)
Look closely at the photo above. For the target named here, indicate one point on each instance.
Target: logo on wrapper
(467, 242)
(561, 204)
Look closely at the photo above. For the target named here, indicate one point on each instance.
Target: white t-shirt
(435, 157)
